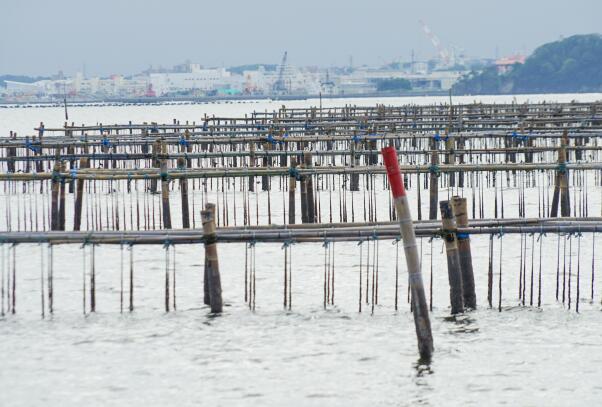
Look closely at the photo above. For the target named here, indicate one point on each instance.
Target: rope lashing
(106, 143)
(519, 137)
(31, 147)
(437, 137)
(434, 169)
(183, 142)
(294, 173)
(462, 235)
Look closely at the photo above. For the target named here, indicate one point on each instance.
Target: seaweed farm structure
(326, 175)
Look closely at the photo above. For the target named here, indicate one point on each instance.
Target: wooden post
(105, 150)
(188, 148)
(165, 195)
(40, 163)
(561, 184)
(252, 164)
(460, 210)
(156, 148)
(62, 209)
(55, 187)
(184, 194)
(303, 195)
(215, 286)
(421, 317)
(292, 186)
(434, 184)
(27, 153)
(311, 212)
(453, 259)
(355, 162)
(12, 153)
(450, 157)
(565, 200)
(79, 196)
(266, 162)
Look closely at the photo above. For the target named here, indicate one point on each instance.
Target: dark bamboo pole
(55, 187)
(460, 210)
(433, 185)
(79, 196)
(62, 209)
(215, 287)
(311, 211)
(156, 148)
(355, 162)
(165, 195)
(184, 195)
(453, 259)
(292, 186)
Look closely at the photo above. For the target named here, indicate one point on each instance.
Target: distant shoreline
(209, 99)
(216, 99)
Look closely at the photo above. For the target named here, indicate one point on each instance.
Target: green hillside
(573, 64)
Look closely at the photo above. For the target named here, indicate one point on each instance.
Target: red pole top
(393, 173)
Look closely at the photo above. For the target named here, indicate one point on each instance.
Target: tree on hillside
(570, 65)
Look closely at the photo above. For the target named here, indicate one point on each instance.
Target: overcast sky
(41, 37)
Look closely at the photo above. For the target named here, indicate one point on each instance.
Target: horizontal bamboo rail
(143, 174)
(290, 234)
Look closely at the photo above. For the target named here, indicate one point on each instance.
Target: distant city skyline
(39, 37)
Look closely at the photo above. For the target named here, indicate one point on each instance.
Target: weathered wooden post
(54, 205)
(453, 259)
(460, 210)
(450, 157)
(213, 276)
(355, 162)
(561, 184)
(12, 153)
(292, 186)
(105, 150)
(184, 194)
(79, 196)
(402, 206)
(266, 162)
(40, 163)
(165, 195)
(27, 153)
(434, 183)
(62, 209)
(252, 164)
(156, 150)
(311, 212)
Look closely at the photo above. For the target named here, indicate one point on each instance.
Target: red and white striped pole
(408, 236)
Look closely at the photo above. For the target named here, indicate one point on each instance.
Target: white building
(197, 79)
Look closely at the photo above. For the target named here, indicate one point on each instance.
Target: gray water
(522, 356)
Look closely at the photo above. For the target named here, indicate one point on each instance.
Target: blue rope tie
(183, 142)
(30, 146)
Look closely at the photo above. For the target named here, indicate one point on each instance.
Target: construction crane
(443, 53)
(279, 86)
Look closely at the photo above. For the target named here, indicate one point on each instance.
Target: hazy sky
(39, 37)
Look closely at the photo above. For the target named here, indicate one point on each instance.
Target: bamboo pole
(79, 197)
(460, 211)
(215, 288)
(453, 259)
(184, 195)
(292, 187)
(419, 305)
